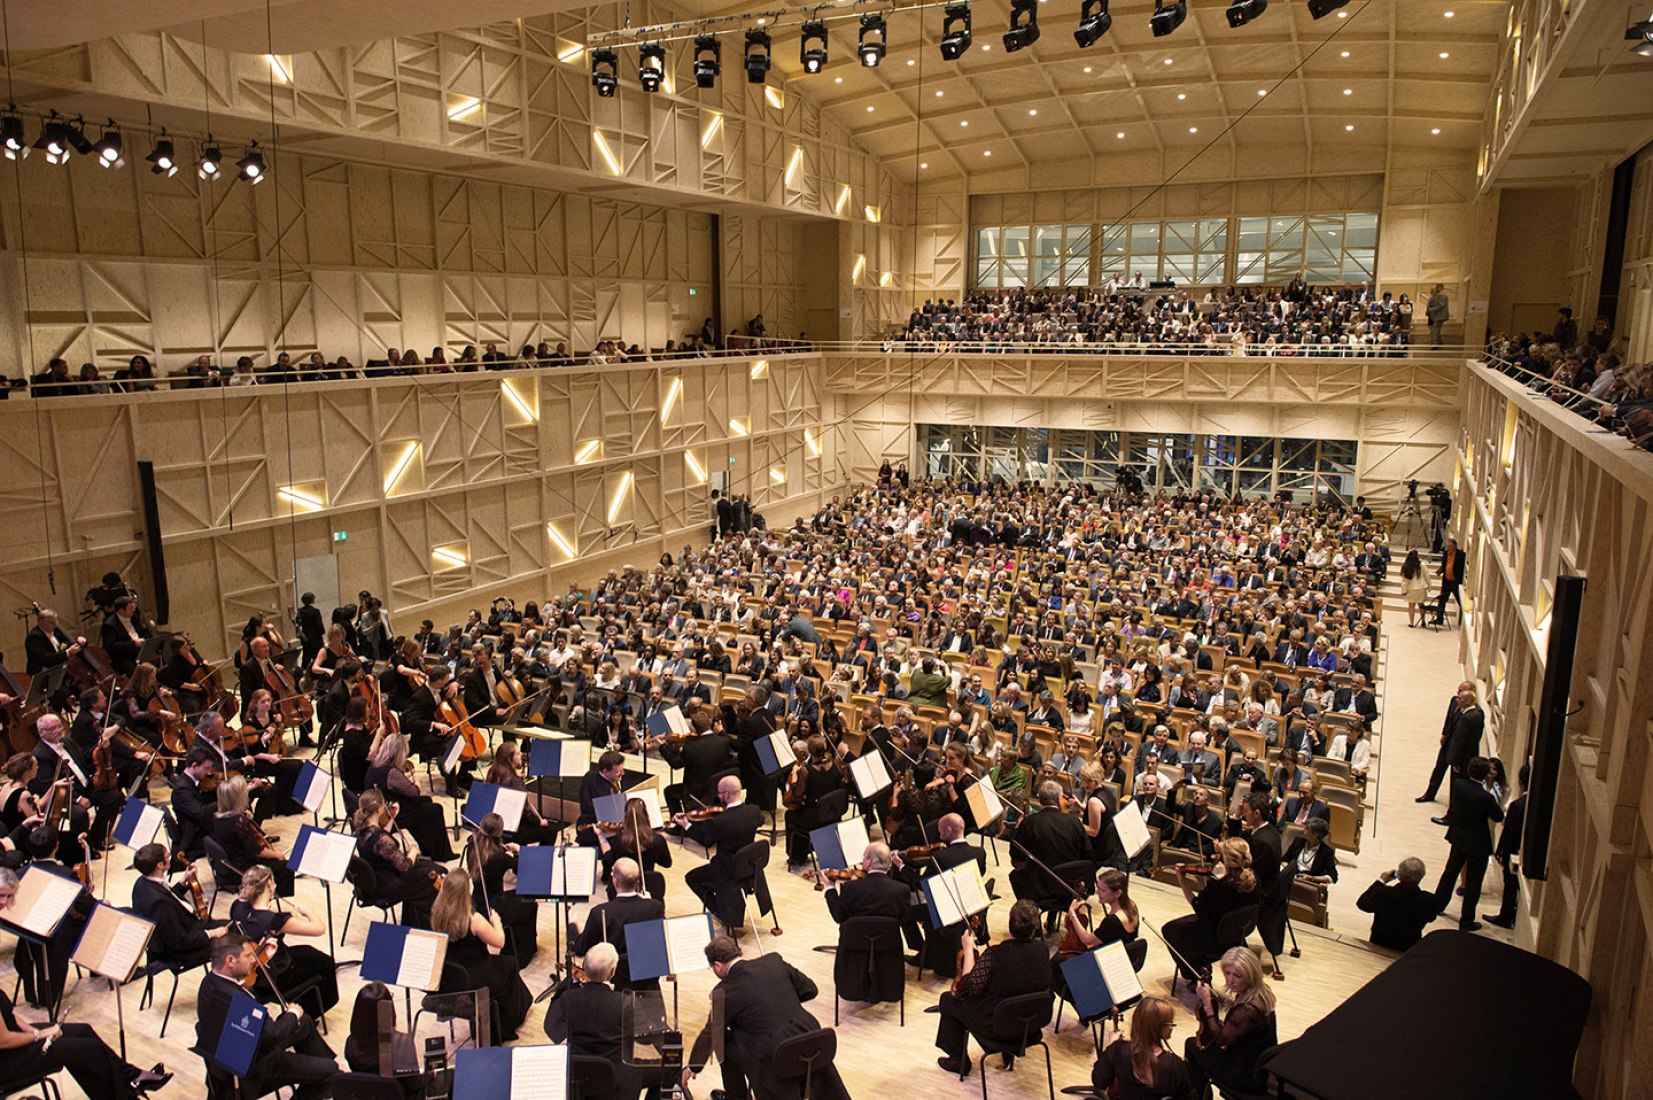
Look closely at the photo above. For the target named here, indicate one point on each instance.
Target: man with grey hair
(587, 1015)
(1199, 763)
(1050, 837)
(1400, 909)
(862, 975)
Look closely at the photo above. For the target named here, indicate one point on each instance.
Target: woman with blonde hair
(1230, 1043)
(1143, 1067)
(419, 814)
(1196, 938)
(243, 841)
(299, 972)
(470, 938)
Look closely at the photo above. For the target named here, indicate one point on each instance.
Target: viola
(266, 954)
(973, 923)
(610, 827)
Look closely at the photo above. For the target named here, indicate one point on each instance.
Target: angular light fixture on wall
(453, 556)
(697, 469)
(622, 493)
(559, 541)
(399, 469)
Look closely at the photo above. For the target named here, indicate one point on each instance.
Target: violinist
(181, 938)
(875, 894)
(295, 972)
(637, 841)
(1233, 885)
(587, 1015)
(290, 1052)
(427, 734)
(43, 841)
(1199, 827)
(724, 834)
(89, 730)
(252, 672)
(487, 858)
(271, 777)
(388, 771)
(1143, 1066)
(820, 773)
(606, 921)
(1052, 838)
(93, 811)
(366, 1040)
(258, 628)
(601, 781)
(1011, 968)
(123, 636)
(473, 939)
(1096, 815)
(195, 800)
(337, 699)
(244, 843)
(506, 770)
(409, 881)
(46, 646)
(404, 676)
(919, 808)
(19, 809)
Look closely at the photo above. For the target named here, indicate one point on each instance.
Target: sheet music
(320, 781)
(450, 759)
(418, 960)
(1132, 830)
(984, 803)
(651, 803)
(327, 855)
(574, 871)
(56, 895)
(508, 804)
(852, 838)
(958, 893)
(686, 940)
(870, 775)
(1114, 964)
(675, 722)
(146, 827)
(126, 946)
(784, 756)
(574, 758)
(539, 1073)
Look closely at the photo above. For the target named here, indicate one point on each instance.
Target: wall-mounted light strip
(450, 557)
(774, 96)
(464, 108)
(280, 67)
(777, 474)
(860, 269)
(558, 540)
(673, 392)
(569, 52)
(621, 492)
(793, 164)
(843, 199)
(400, 466)
(739, 426)
(300, 499)
(812, 443)
(760, 369)
(884, 277)
(605, 152)
(710, 132)
(871, 212)
(589, 451)
(518, 402)
(695, 467)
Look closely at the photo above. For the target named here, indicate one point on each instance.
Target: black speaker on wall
(1549, 738)
(161, 600)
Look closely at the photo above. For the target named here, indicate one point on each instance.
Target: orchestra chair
(454, 999)
(878, 940)
(45, 1082)
(225, 875)
(224, 1085)
(1232, 931)
(754, 886)
(799, 1055)
(589, 1078)
(1137, 951)
(150, 969)
(1080, 875)
(366, 1086)
(1018, 1026)
(364, 893)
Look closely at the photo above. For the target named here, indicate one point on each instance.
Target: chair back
(588, 1078)
(750, 860)
(1137, 951)
(366, 1086)
(871, 934)
(1236, 925)
(1018, 1019)
(1079, 874)
(832, 805)
(218, 857)
(361, 875)
(799, 1055)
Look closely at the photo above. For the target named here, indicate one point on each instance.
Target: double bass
(19, 719)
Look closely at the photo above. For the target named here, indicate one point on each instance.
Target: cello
(19, 719)
(452, 711)
(293, 705)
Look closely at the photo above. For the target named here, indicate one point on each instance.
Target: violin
(973, 923)
(610, 827)
(918, 853)
(266, 954)
(1071, 944)
(199, 899)
(103, 766)
(839, 874)
(208, 680)
(1195, 868)
(703, 815)
(83, 869)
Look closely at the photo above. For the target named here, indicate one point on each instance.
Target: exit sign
(693, 292)
(340, 536)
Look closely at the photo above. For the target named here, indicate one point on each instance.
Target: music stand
(650, 1043)
(45, 686)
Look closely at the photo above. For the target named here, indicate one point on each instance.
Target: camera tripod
(1410, 519)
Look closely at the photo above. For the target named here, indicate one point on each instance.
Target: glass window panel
(1105, 445)
(1253, 234)
(1045, 270)
(1257, 450)
(1219, 450)
(1109, 263)
(1015, 242)
(1047, 240)
(1329, 273)
(1014, 273)
(1214, 234)
(1360, 231)
(1359, 265)
(1248, 267)
(987, 242)
(1180, 268)
(1284, 233)
(1182, 236)
(1210, 268)
(1297, 454)
(1216, 480)
(1144, 237)
(1076, 273)
(987, 273)
(1079, 240)
(1254, 483)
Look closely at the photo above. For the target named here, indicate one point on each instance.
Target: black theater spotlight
(251, 166)
(874, 39)
(1024, 25)
(812, 47)
(605, 72)
(163, 160)
(1241, 12)
(955, 31)
(11, 135)
(708, 60)
(1094, 22)
(757, 55)
(1322, 8)
(108, 147)
(1640, 33)
(211, 164)
(1167, 17)
(651, 66)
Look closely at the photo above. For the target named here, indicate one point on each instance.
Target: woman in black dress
(506, 771)
(470, 935)
(487, 861)
(243, 841)
(1233, 886)
(1119, 923)
(1229, 1045)
(17, 802)
(296, 972)
(29, 1051)
(813, 780)
(1009, 968)
(419, 814)
(1143, 1067)
(410, 882)
(636, 841)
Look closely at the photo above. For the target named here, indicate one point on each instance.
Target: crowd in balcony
(1587, 374)
(1296, 319)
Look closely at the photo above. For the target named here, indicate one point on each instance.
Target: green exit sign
(693, 292)
(340, 536)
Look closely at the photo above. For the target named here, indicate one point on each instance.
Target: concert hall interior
(968, 556)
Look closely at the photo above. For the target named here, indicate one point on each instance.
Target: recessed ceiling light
(1262, 91)
(1120, 135)
(924, 164)
(939, 93)
(1349, 127)
(1031, 113)
(837, 80)
(964, 122)
(1436, 130)
(761, 22)
(1182, 95)
(1343, 15)
(1448, 14)
(987, 152)
(1345, 53)
(986, 46)
(911, 61)
(1445, 55)
(1167, 60)
(1193, 129)
(869, 110)
(1348, 91)
(1087, 68)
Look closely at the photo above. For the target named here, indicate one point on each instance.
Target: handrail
(893, 345)
(1539, 384)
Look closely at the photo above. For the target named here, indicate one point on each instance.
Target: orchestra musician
(818, 775)
(488, 857)
(356, 745)
(123, 636)
(1198, 825)
(1233, 885)
(728, 831)
(422, 723)
(422, 816)
(1273, 893)
(94, 812)
(410, 882)
(477, 687)
(587, 1015)
(194, 801)
(1010, 968)
(178, 674)
(89, 730)
(874, 894)
(335, 651)
(470, 936)
(1229, 1045)
(506, 770)
(181, 938)
(290, 1052)
(636, 840)
(1053, 838)
(43, 842)
(146, 708)
(46, 646)
(307, 622)
(258, 628)
(337, 701)
(244, 843)
(255, 753)
(252, 672)
(601, 781)
(363, 1045)
(606, 921)
(702, 758)
(404, 674)
(941, 945)
(1143, 1066)
(296, 972)
(1119, 923)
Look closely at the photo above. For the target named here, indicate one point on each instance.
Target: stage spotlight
(1641, 34)
(54, 139)
(1322, 8)
(108, 147)
(874, 39)
(251, 166)
(1167, 17)
(212, 160)
(812, 47)
(11, 136)
(605, 72)
(1094, 22)
(78, 140)
(1024, 25)
(708, 60)
(162, 160)
(757, 55)
(651, 66)
(955, 31)
(1241, 12)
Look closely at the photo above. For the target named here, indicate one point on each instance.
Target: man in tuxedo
(1400, 909)
(1471, 810)
(724, 834)
(1460, 739)
(88, 729)
(181, 938)
(312, 632)
(94, 812)
(192, 808)
(290, 1052)
(1356, 699)
(702, 758)
(606, 923)
(427, 734)
(1199, 827)
(601, 781)
(759, 1003)
(1156, 814)
(477, 686)
(123, 636)
(1508, 851)
(1303, 805)
(1263, 837)
(586, 1015)
(877, 894)
(46, 646)
(1050, 837)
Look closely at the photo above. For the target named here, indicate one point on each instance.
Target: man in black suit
(1446, 756)
(123, 636)
(1051, 837)
(877, 894)
(759, 1003)
(250, 676)
(1400, 909)
(193, 808)
(1508, 850)
(716, 884)
(477, 686)
(1156, 814)
(725, 513)
(312, 632)
(1304, 805)
(425, 731)
(1263, 837)
(606, 923)
(703, 758)
(289, 1050)
(601, 781)
(181, 938)
(88, 729)
(1356, 699)
(589, 1017)
(94, 812)
(1199, 827)
(46, 646)
(1470, 813)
